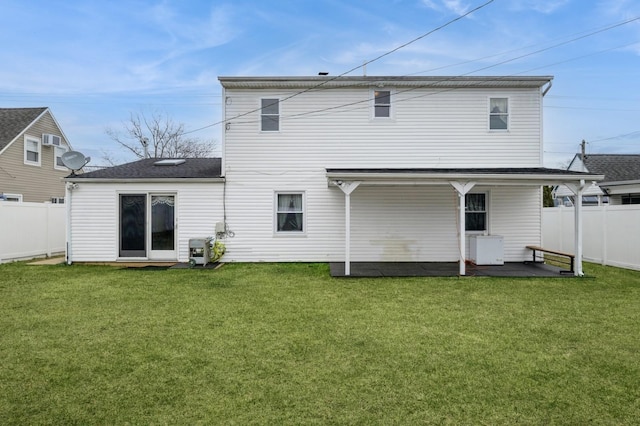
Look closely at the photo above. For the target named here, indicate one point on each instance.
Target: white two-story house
(355, 169)
(384, 168)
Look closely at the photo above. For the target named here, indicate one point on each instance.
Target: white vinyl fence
(29, 230)
(611, 234)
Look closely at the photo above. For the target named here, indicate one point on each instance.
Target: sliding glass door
(163, 227)
(147, 226)
(133, 236)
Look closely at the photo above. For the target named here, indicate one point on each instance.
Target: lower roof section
(435, 176)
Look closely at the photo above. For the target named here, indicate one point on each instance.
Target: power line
(635, 132)
(354, 68)
(337, 107)
(426, 86)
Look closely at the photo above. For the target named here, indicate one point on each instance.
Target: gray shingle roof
(614, 167)
(192, 168)
(479, 171)
(14, 120)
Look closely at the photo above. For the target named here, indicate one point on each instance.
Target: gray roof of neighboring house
(14, 120)
(614, 167)
(187, 168)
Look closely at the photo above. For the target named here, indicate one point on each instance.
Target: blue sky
(95, 62)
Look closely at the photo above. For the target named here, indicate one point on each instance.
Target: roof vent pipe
(145, 146)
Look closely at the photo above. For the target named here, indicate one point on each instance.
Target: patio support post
(578, 190)
(462, 189)
(347, 188)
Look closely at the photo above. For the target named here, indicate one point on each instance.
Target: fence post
(605, 243)
(48, 228)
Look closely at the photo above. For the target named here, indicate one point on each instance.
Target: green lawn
(288, 344)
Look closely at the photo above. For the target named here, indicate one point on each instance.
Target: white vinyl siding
(402, 223)
(334, 128)
(94, 215)
(431, 128)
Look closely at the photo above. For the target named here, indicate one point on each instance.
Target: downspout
(544, 91)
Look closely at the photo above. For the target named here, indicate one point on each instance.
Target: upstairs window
(498, 114)
(31, 151)
(289, 212)
(382, 103)
(270, 115)
(476, 212)
(58, 151)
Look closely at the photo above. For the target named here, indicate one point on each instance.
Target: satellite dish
(74, 160)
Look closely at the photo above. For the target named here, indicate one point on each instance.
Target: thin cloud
(541, 6)
(454, 6)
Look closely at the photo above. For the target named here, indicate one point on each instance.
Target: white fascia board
(621, 182)
(445, 178)
(75, 179)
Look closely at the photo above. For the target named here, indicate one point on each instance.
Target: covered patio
(447, 269)
(462, 180)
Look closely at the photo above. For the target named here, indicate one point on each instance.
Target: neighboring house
(363, 169)
(145, 210)
(31, 147)
(621, 183)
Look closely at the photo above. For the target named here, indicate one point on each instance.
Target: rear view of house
(31, 148)
(384, 168)
(340, 170)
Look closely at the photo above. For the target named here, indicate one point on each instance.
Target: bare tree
(158, 136)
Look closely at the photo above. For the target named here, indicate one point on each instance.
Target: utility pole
(582, 150)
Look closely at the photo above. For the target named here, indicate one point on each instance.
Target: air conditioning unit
(49, 139)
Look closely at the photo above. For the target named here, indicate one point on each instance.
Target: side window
(290, 212)
(58, 151)
(498, 113)
(32, 151)
(270, 115)
(476, 212)
(382, 103)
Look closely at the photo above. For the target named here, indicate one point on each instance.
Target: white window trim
(487, 209)
(55, 157)
(11, 197)
(508, 114)
(33, 139)
(304, 214)
(279, 115)
(391, 104)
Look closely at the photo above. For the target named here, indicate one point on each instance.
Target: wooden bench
(570, 257)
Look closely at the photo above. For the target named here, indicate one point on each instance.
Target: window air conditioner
(48, 139)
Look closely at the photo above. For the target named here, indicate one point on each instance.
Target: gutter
(471, 176)
(77, 180)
